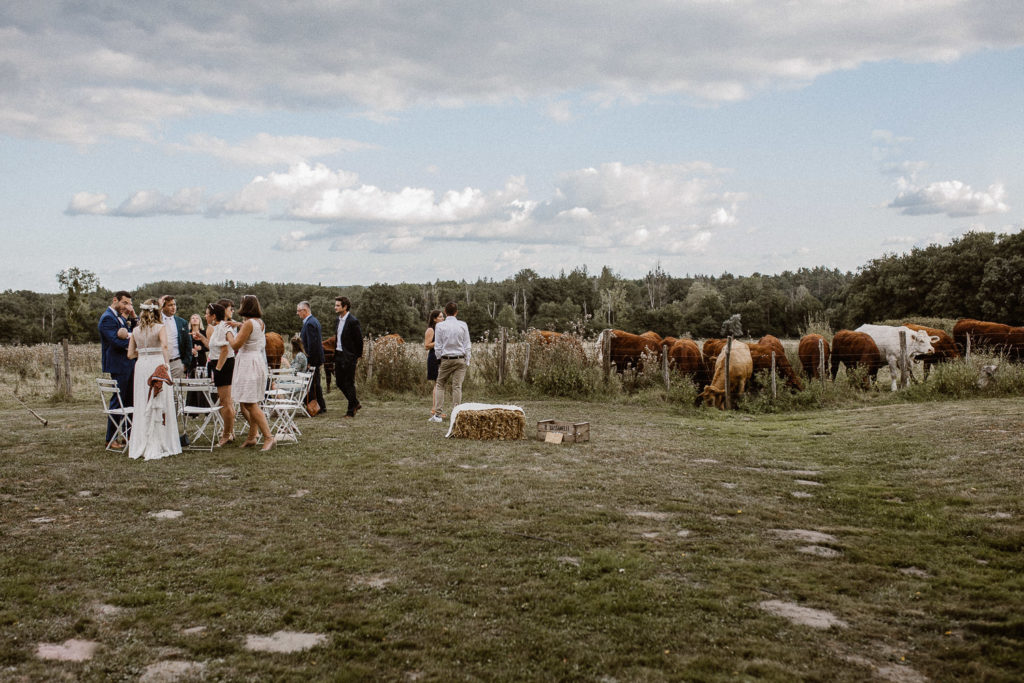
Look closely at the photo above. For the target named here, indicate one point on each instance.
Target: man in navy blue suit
(348, 351)
(114, 332)
(312, 341)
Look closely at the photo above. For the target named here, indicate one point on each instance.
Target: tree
(77, 283)
(383, 310)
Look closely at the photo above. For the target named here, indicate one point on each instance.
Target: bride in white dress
(155, 424)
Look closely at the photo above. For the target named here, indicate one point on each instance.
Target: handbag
(312, 407)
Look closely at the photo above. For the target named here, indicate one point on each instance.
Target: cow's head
(714, 397)
(920, 342)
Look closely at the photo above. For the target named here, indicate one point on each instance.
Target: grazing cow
(330, 346)
(782, 363)
(855, 350)
(808, 353)
(741, 367)
(945, 347)
(685, 357)
(274, 350)
(627, 348)
(887, 339)
(547, 338)
(391, 339)
(986, 335)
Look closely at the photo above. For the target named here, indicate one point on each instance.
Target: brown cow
(856, 349)
(808, 351)
(782, 363)
(274, 350)
(391, 339)
(740, 369)
(544, 338)
(945, 347)
(627, 348)
(684, 356)
(987, 335)
(330, 346)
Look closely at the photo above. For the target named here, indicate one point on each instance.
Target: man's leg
(347, 384)
(316, 391)
(458, 374)
(177, 369)
(444, 375)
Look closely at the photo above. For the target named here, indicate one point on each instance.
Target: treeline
(979, 275)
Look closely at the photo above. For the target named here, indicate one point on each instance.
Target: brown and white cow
(741, 366)
(945, 348)
(856, 350)
(627, 348)
(808, 351)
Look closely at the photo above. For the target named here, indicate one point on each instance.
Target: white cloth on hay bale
(477, 406)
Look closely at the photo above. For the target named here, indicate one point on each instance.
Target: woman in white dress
(155, 424)
(249, 383)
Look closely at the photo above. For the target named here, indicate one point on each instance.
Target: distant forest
(979, 275)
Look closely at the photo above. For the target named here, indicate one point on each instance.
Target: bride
(155, 427)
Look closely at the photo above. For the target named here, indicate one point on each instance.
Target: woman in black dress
(433, 363)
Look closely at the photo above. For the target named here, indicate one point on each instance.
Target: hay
(480, 421)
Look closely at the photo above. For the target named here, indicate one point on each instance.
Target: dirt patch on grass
(166, 514)
(173, 670)
(68, 651)
(373, 581)
(650, 514)
(284, 641)
(819, 551)
(804, 535)
(805, 616)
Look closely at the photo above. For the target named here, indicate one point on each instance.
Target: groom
(114, 333)
(179, 340)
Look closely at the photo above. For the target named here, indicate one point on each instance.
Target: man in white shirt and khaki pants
(452, 347)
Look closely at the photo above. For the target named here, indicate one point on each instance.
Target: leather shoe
(359, 406)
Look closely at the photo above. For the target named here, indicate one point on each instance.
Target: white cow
(887, 339)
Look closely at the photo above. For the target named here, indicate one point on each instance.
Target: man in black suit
(312, 342)
(347, 353)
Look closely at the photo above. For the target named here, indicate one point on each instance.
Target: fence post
(904, 381)
(67, 368)
(967, 351)
(526, 361)
(369, 362)
(775, 390)
(607, 355)
(56, 370)
(728, 352)
(501, 356)
(664, 366)
(821, 359)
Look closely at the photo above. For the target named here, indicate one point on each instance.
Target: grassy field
(665, 549)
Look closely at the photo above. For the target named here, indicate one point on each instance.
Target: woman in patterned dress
(249, 383)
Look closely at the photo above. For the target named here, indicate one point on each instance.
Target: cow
(782, 363)
(808, 353)
(274, 350)
(856, 350)
(547, 338)
(945, 347)
(887, 339)
(741, 367)
(987, 335)
(627, 348)
(684, 356)
(391, 339)
(330, 345)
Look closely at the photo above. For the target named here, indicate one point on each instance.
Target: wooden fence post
(664, 366)
(728, 352)
(967, 351)
(501, 356)
(821, 359)
(67, 368)
(904, 380)
(56, 370)
(775, 390)
(526, 361)
(606, 352)
(369, 362)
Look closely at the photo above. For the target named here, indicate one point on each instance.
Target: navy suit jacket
(312, 340)
(114, 350)
(351, 336)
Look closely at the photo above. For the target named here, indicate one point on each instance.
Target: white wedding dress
(155, 424)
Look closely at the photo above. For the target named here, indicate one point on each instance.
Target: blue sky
(353, 143)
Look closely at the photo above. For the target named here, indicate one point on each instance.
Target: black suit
(351, 342)
(312, 342)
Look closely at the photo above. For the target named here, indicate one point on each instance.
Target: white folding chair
(120, 415)
(308, 378)
(199, 412)
(281, 407)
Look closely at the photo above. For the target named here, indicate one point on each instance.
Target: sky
(360, 142)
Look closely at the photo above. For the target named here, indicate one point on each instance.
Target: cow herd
(871, 347)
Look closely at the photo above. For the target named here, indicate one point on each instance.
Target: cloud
(88, 203)
(268, 150)
(78, 73)
(141, 204)
(952, 197)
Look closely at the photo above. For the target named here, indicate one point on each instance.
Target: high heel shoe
(248, 442)
(268, 444)
(226, 440)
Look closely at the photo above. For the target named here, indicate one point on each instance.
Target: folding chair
(199, 412)
(281, 407)
(308, 377)
(120, 415)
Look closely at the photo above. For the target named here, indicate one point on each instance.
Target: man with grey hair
(311, 337)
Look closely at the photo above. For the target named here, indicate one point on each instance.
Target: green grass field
(658, 551)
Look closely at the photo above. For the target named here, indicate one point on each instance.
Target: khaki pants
(177, 369)
(453, 369)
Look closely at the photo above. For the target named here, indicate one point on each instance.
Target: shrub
(560, 369)
(397, 368)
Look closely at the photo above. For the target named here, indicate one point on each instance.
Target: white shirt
(451, 338)
(219, 341)
(341, 326)
(172, 336)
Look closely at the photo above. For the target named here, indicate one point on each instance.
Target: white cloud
(78, 74)
(952, 197)
(88, 203)
(268, 150)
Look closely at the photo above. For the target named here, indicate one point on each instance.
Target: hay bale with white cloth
(487, 421)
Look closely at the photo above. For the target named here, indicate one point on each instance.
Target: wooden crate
(568, 432)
